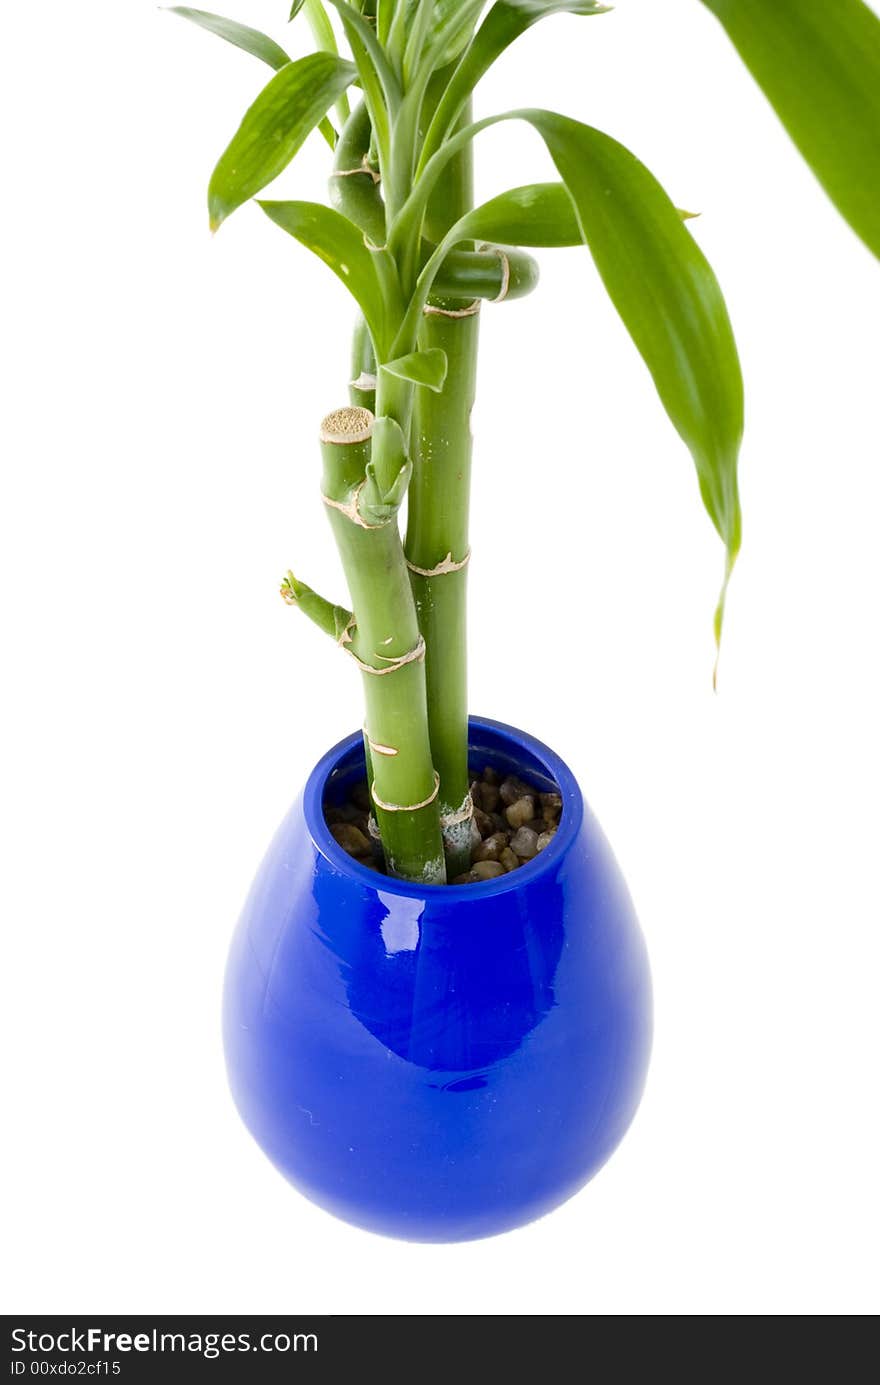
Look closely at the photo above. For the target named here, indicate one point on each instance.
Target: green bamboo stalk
(437, 543)
(362, 498)
(437, 525)
(362, 386)
(491, 273)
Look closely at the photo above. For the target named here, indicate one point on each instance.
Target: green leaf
(251, 40)
(668, 297)
(273, 129)
(539, 215)
(370, 65)
(357, 28)
(295, 9)
(504, 23)
(818, 64)
(388, 471)
(421, 368)
(340, 244)
(451, 27)
(661, 284)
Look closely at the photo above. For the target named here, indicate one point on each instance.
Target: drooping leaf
(664, 289)
(421, 368)
(504, 23)
(251, 41)
(259, 45)
(340, 244)
(661, 285)
(273, 128)
(818, 63)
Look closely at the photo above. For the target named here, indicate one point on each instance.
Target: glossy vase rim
(515, 742)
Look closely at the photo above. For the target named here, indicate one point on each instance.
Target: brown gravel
(513, 823)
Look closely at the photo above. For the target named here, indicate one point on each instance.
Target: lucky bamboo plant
(403, 234)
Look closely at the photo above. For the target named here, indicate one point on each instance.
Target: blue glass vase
(431, 1062)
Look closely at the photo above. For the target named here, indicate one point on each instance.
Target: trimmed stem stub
(348, 425)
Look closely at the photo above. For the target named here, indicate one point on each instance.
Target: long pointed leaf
(273, 129)
(662, 286)
(363, 44)
(340, 244)
(668, 297)
(818, 63)
(259, 45)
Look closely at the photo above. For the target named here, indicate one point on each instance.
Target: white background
(163, 706)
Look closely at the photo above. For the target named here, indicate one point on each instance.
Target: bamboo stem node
(365, 381)
(412, 656)
(349, 508)
(431, 310)
(448, 565)
(505, 271)
(364, 167)
(407, 807)
(345, 633)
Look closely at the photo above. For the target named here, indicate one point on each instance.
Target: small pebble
(484, 822)
(520, 812)
(511, 823)
(486, 870)
(524, 842)
(512, 789)
(351, 839)
(491, 848)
